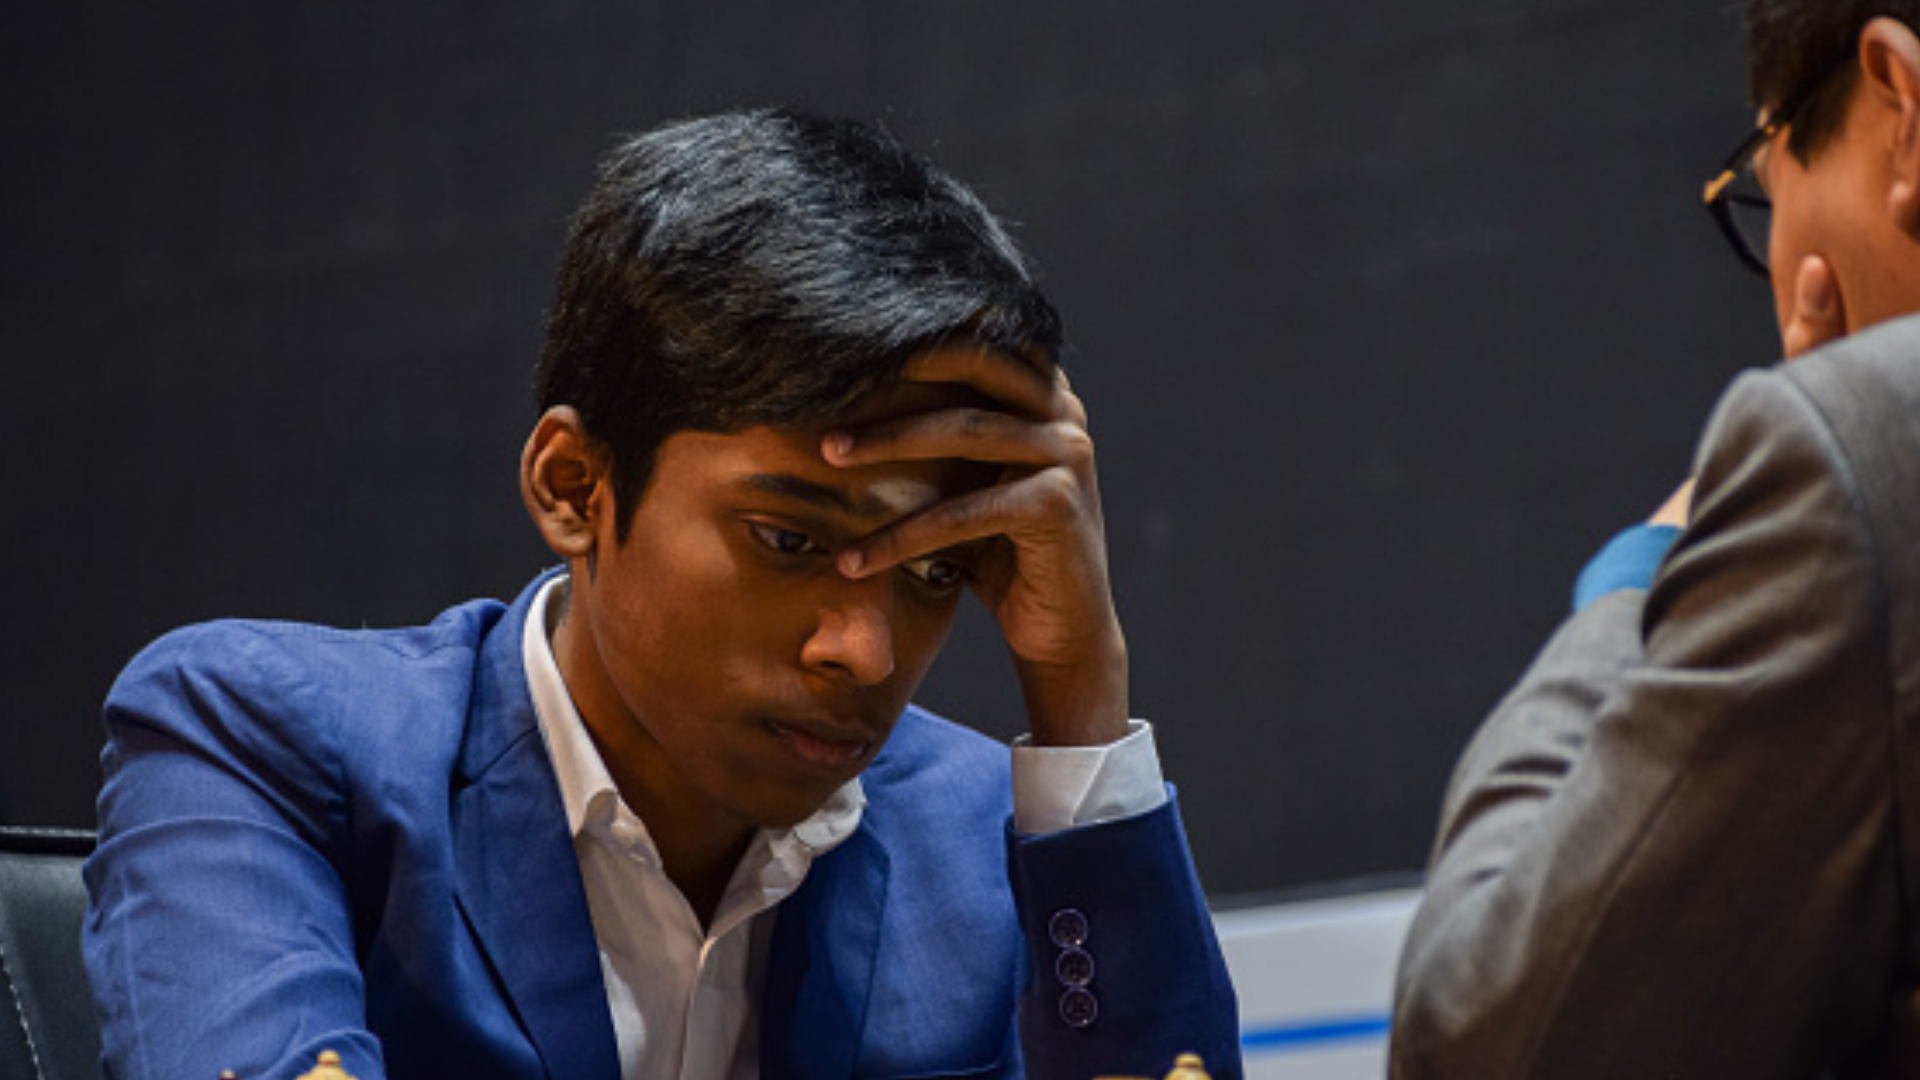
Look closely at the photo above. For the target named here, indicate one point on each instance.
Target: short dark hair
(768, 267)
(1792, 48)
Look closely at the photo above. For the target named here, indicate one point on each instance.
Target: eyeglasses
(1735, 198)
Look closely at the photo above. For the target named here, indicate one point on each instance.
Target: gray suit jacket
(1686, 844)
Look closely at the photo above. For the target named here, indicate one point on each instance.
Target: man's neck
(701, 872)
(699, 849)
(699, 844)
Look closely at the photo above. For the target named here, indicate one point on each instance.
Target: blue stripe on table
(1314, 1034)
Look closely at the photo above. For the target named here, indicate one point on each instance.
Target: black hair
(768, 267)
(1805, 51)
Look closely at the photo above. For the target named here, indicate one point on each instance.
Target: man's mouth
(819, 746)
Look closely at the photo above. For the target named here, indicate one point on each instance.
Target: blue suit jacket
(314, 838)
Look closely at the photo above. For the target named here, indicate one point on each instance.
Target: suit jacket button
(1073, 967)
(1078, 1009)
(1068, 928)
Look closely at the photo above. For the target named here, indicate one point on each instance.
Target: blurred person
(1686, 844)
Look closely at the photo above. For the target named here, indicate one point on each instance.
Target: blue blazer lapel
(517, 879)
(820, 967)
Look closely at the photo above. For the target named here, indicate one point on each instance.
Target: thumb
(1819, 315)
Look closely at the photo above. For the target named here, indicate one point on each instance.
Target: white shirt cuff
(1056, 788)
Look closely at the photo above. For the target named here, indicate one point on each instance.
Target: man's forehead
(898, 496)
(788, 463)
(877, 494)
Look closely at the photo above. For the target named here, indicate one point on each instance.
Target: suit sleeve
(219, 934)
(1125, 972)
(1667, 852)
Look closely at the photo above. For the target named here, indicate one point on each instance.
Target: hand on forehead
(961, 376)
(948, 405)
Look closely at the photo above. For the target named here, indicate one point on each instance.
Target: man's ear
(564, 481)
(1890, 67)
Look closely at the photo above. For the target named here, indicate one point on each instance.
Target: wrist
(1078, 703)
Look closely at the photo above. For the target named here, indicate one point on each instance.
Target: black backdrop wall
(1388, 311)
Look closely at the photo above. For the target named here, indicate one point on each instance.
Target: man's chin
(792, 800)
(782, 815)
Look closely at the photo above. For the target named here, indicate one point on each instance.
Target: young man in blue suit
(669, 813)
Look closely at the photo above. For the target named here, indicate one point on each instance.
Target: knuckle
(1056, 491)
(924, 529)
(941, 516)
(977, 424)
(1076, 445)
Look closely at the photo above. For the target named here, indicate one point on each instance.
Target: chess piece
(1188, 1067)
(328, 1068)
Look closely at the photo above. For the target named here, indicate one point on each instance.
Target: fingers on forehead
(1000, 375)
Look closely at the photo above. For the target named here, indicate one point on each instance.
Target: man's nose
(852, 639)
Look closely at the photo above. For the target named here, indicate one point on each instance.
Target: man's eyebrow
(792, 487)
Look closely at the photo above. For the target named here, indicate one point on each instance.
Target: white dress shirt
(685, 998)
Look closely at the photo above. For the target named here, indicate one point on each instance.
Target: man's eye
(937, 573)
(785, 541)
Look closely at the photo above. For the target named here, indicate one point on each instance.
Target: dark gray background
(1388, 311)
